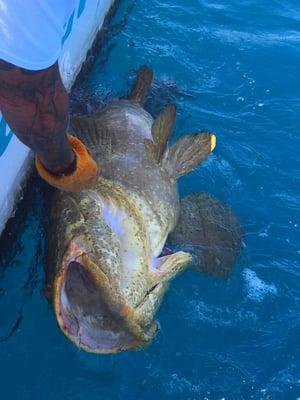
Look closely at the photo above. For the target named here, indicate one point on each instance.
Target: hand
(85, 173)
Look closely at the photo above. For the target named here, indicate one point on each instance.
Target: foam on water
(256, 288)
(197, 310)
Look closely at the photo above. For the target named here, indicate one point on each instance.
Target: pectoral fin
(211, 231)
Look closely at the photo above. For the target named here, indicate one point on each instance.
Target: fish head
(95, 290)
(108, 287)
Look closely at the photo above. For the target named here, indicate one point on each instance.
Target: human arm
(35, 105)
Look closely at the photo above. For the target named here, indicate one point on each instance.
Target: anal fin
(187, 152)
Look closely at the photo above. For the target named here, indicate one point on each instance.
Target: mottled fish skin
(141, 183)
(133, 168)
(132, 182)
(116, 230)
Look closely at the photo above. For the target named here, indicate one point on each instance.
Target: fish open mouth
(83, 314)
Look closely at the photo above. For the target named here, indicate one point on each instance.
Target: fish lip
(75, 252)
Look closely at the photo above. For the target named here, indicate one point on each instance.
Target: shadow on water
(82, 99)
(22, 253)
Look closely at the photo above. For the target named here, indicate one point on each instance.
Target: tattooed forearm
(35, 105)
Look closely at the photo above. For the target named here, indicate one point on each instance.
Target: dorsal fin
(162, 129)
(187, 152)
(142, 85)
(92, 132)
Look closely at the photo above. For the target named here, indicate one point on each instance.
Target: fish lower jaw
(82, 314)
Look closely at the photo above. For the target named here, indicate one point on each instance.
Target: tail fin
(187, 152)
(142, 85)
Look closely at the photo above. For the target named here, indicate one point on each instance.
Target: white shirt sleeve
(31, 31)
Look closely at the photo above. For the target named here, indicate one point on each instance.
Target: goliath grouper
(106, 271)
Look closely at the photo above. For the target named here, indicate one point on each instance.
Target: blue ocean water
(232, 67)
